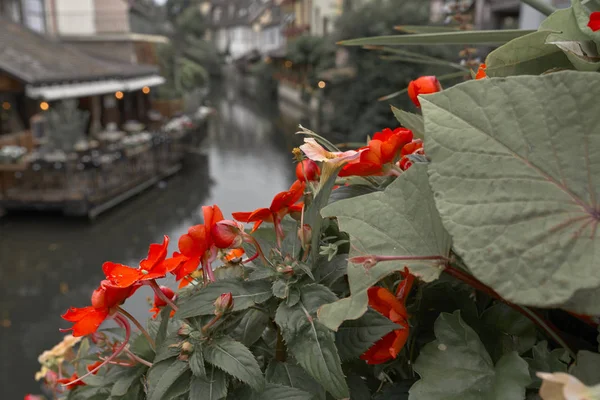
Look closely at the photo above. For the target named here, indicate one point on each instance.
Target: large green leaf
(328, 272)
(161, 332)
(426, 28)
(354, 337)
(527, 55)
(457, 366)
(245, 294)
(544, 360)
(444, 38)
(289, 374)
(235, 359)
(311, 343)
(582, 15)
(401, 221)
(273, 391)
(411, 121)
(162, 376)
(211, 387)
(196, 362)
(569, 36)
(251, 327)
(516, 170)
(127, 380)
(586, 368)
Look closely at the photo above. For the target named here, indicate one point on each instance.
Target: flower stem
(280, 350)
(161, 295)
(139, 326)
(138, 359)
(125, 325)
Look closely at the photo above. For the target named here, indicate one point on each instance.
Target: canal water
(49, 263)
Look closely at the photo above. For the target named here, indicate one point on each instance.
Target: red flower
(234, 255)
(381, 150)
(280, 206)
(423, 85)
(594, 23)
(159, 303)
(105, 299)
(150, 268)
(227, 234)
(414, 147)
(74, 377)
(194, 246)
(384, 302)
(481, 72)
(307, 170)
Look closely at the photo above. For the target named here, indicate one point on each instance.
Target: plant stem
(541, 6)
(139, 326)
(161, 295)
(138, 359)
(280, 350)
(534, 317)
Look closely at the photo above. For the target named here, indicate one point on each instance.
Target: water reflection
(48, 263)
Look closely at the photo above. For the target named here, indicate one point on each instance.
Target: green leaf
(527, 55)
(280, 289)
(414, 122)
(127, 380)
(328, 272)
(197, 362)
(348, 192)
(358, 387)
(516, 181)
(162, 376)
(544, 360)
(251, 327)
(245, 294)
(444, 38)
(279, 392)
(235, 359)
(140, 347)
(311, 343)
(506, 330)
(354, 337)
(211, 387)
(586, 368)
(289, 374)
(161, 333)
(165, 351)
(226, 272)
(401, 221)
(582, 16)
(457, 366)
(180, 387)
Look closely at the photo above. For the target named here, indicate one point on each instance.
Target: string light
(6, 105)
(288, 64)
(44, 106)
(119, 95)
(145, 90)
(322, 84)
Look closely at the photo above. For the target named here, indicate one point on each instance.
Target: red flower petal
(156, 255)
(594, 23)
(86, 320)
(121, 275)
(383, 301)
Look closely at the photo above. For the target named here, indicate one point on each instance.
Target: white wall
(330, 9)
(75, 17)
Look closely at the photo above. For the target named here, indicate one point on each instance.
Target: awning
(138, 83)
(84, 89)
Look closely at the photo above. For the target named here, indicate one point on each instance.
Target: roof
(37, 59)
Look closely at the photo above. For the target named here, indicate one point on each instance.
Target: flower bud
(223, 304)
(184, 330)
(227, 234)
(305, 235)
(183, 357)
(158, 302)
(423, 85)
(187, 347)
(307, 170)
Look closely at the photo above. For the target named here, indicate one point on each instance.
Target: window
(33, 13)
(217, 14)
